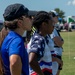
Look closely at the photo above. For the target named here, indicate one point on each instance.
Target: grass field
(68, 53)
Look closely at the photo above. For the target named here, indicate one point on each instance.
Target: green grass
(69, 53)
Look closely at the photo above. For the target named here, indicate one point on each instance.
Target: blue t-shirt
(14, 44)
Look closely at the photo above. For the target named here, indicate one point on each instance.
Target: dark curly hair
(40, 17)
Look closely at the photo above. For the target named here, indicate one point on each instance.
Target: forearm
(58, 42)
(61, 43)
(35, 66)
(15, 66)
(1, 66)
(34, 63)
(56, 59)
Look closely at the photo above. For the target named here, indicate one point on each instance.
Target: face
(50, 27)
(27, 23)
(55, 19)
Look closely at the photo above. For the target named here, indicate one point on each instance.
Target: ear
(19, 23)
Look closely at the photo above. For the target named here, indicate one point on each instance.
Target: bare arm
(34, 63)
(15, 65)
(58, 41)
(57, 60)
(1, 66)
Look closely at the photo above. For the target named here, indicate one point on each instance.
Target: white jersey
(57, 49)
(51, 47)
(39, 46)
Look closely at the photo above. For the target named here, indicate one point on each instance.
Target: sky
(68, 6)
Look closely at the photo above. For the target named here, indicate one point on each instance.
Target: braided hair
(40, 17)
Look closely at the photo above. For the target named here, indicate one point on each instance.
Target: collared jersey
(14, 44)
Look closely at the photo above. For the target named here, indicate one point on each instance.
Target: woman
(14, 54)
(58, 43)
(39, 54)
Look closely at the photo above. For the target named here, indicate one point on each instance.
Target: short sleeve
(37, 46)
(15, 47)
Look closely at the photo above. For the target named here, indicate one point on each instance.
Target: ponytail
(11, 24)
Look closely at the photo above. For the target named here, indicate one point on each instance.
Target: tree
(60, 12)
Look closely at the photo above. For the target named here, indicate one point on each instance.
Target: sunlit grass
(69, 53)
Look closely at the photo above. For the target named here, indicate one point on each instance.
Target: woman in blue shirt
(14, 54)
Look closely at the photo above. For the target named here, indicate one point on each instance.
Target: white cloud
(69, 3)
(72, 2)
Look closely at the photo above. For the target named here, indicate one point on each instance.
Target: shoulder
(14, 36)
(12, 39)
(38, 37)
(37, 42)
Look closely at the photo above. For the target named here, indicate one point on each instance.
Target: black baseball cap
(32, 13)
(15, 11)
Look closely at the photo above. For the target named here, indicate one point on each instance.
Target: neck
(42, 33)
(19, 31)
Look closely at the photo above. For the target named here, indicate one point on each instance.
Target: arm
(57, 38)
(34, 63)
(15, 65)
(58, 41)
(57, 60)
(1, 66)
(36, 49)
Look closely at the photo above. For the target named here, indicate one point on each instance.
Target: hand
(61, 64)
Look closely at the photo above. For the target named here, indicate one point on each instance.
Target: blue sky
(68, 6)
